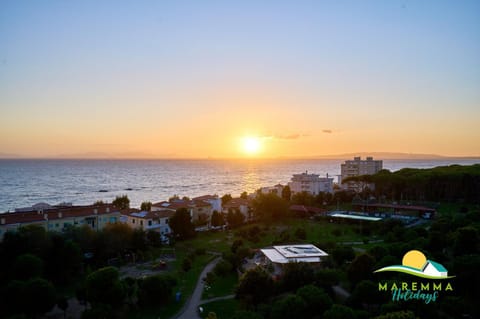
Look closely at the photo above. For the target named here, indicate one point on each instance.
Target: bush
(186, 264)
(301, 233)
(223, 268)
(154, 290)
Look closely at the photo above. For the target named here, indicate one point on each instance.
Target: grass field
(319, 232)
(222, 286)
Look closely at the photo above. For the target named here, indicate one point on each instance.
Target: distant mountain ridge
(391, 155)
(145, 155)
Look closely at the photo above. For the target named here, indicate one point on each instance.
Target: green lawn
(224, 309)
(222, 286)
(316, 232)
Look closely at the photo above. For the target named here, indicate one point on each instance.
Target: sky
(196, 79)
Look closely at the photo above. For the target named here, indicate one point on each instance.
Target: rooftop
(357, 217)
(294, 253)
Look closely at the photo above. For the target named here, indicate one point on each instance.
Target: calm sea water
(27, 182)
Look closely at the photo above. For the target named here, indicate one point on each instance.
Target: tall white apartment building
(359, 167)
(310, 183)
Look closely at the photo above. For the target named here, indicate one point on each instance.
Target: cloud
(327, 131)
(288, 137)
(291, 136)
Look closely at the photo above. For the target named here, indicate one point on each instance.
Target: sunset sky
(183, 79)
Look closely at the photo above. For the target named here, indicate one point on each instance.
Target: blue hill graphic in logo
(415, 263)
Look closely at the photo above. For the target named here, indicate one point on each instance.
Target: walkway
(190, 309)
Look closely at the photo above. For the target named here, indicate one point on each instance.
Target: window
(141, 223)
(149, 223)
(133, 221)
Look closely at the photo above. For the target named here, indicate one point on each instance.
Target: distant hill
(9, 155)
(391, 155)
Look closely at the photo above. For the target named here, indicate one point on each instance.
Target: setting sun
(251, 145)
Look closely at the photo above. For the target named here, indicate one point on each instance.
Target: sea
(25, 182)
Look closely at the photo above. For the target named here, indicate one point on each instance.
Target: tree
(398, 315)
(342, 254)
(286, 193)
(296, 275)
(186, 264)
(27, 266)
(103, 286)
(226, 198)
(235, 218)
(121, 202)
(244, 195)
(466, 241)
(366, 291)
(139, 240)
(217, 219)
(64, 260)
(62, 303)
(255, 286)
(243, 314)
(290, 306)
(153, 238)
(360, 268)
(270, 206)
(146, 206)
(155, 290)
(212, 315)
(317, 301)
(116, 239)
(181, 224)
(303, 198)
(39, 296)
(339, 312)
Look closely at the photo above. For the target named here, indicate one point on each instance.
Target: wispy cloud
(291, 136)
(327, 131)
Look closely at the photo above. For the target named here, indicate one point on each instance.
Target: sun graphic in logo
(415, 259)
(416, 263)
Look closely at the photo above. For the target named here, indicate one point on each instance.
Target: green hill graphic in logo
(415, 263)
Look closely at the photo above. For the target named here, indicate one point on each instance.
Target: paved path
(340, 292)
(218, 298)
(190, 309)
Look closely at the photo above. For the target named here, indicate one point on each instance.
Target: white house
(213, 200)
(154, 220)
(432, 268)
(277, 190)
(310, 183)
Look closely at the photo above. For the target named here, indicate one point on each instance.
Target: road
(190, 309)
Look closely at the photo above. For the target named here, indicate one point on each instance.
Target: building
(358, 167)
(200, 210)
(153, 220)
(294, 253)
(213, 200)
(57, 218)
(240, 204)
(277, 190)
(434, 269)
(310, 183)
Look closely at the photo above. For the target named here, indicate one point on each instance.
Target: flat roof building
(358, 167)
(294, 253)
(310, 183)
